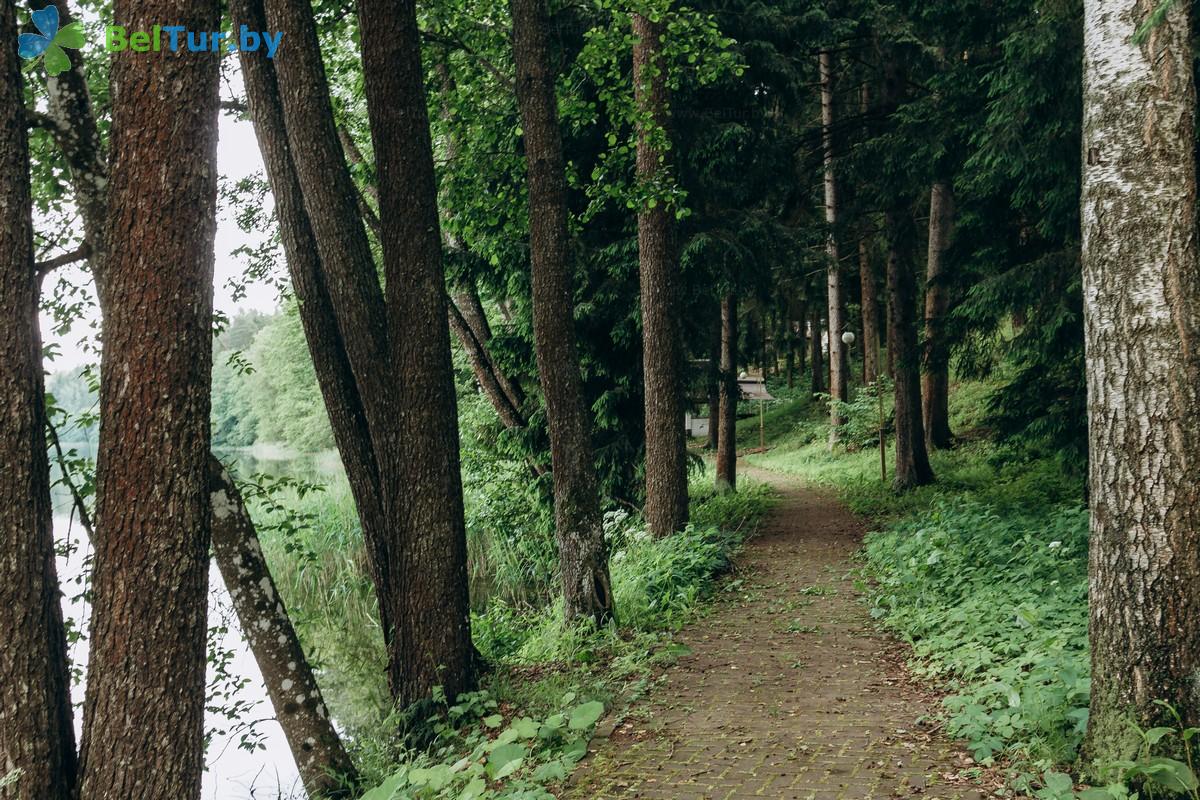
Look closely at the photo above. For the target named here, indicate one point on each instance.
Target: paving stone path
(789, 691)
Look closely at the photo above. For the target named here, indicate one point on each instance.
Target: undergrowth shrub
(995, 604)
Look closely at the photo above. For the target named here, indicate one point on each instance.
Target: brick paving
(789, 691)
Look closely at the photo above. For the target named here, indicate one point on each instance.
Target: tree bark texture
(912, 459)
(582, 551)
(144, 711)
(335, 377)
(870, 312)
(324, 766)
(37, 735)
(838, 364)
(727, 433)
(429, 561)
(662, 343)
(1142, 329)
(816, 359)
(714, 380)
(935, 372)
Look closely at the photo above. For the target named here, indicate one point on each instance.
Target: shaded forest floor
(789, 691)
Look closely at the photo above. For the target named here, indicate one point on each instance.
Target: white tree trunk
(1142, 313)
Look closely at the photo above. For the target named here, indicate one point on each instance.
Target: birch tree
(1142, 328)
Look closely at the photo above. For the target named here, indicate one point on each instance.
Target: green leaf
(473, 790)
(494, 721)
(502, 757)
(1170, 774)
(586, 715)
(70, 36)
(550, 771)
(1155, 735)
(1058, 782)
(56, 60)
(387, 790)
(526, 728)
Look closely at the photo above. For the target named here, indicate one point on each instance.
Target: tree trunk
(912, 459)
(144, 712)
(727, 434)
(1142, 324)
(69, 104)
(487, 374)
(324, 766)
(343, 404)
(815, 357)
(714, 381)
(801, 318)
(429, 561)
(662, 345)
(473, 313)
(583, 555)
(866, 276)
(37, 736)
(935, 375)
(789, 358)
(870, 313)
(838, 365)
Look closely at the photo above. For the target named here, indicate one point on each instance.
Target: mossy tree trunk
(662, 344)
(582, 551)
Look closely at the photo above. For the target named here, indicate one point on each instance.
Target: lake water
(233, 773)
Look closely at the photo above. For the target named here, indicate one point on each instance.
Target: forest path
(790, 691)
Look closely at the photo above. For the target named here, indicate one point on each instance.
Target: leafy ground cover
(985, 575)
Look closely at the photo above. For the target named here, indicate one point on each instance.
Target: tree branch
(81, 253)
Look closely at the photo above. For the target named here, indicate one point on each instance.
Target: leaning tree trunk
(838, 365)
(582, 552)
(912, 459)
(37, 736)
(815, 358)
(662, 345)
(429, 560)
(935, 373)
(143, 726)
(727, 432)
(335, 377)
(1142, 324)
(324, 766)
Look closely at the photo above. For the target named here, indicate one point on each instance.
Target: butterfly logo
(51, 40)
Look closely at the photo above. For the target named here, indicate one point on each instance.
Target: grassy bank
(547, 684)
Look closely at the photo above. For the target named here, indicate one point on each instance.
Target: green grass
(313, 543)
